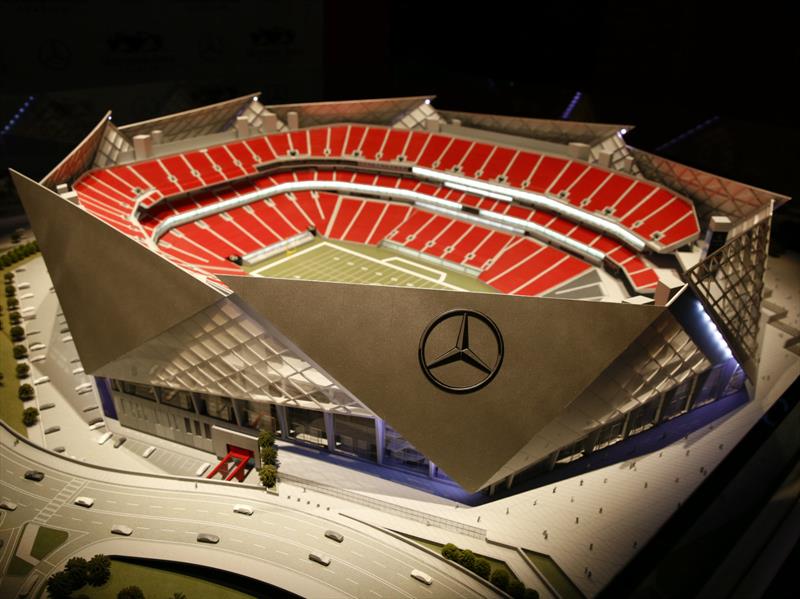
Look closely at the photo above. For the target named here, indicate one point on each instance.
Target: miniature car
(334, 536)
(241, 508)
(121, 529)
(421, 576)
(320, 558)
(84, 501)
(8, 505)
(207, 537)
(34, 475)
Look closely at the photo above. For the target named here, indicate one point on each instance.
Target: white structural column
(283, 421)
(329, 432)
(380, 434)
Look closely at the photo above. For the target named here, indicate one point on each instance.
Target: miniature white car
(84, 501)
(241, 508)
(8, 505)
(121, 529)
(320, 558)
(207, 537)
(421, 576)
(334, 536)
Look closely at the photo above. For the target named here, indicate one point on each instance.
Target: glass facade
(215, 406)
(399, 452)
(177, 399)
(260, 416)
(307, 426)
(355, 435)
(139, 390)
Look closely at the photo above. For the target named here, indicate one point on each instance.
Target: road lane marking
(282, 552)
(237, 541)
(167, 530)
(291, 529)
(259, 546)
(131, 504)
(356, 553)
(351, 580)
(110, 501)
(97, 522)
(378, 563)
(375, 593)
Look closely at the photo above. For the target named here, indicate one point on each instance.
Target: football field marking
(344, 270)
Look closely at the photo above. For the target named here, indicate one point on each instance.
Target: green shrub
(467, 559)
(516, 589)
(449, 551)
(500, 579)
(269, 456)
(15, 237)
(268, 475)
(12, 303)
(30, 416)
(99, 570)
(59, 585)
(14, 317)
(11, 291)
(20, 352)
(482, 568)
(132, 592)
(25, 392)
(17, 333)
(23, 370)
(8, 277)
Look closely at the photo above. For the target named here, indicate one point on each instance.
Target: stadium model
(468, 296)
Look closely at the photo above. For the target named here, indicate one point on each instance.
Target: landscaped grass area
(47, 540)
(554, 575)
(496, 564)
(10, 405)
(157, 583)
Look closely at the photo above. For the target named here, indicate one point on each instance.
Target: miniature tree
(516, 589)
(12, 303)
(11, 291)
(14, 317)
(482, 568)
(30, 416)
(99, 570)
(500, 579)
(132, 592)
(59, 585)
(23, 370)
(25, 392)
(268, 475)
(17, 333)
(20, 352)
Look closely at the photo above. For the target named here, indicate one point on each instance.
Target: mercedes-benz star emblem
(461, 351)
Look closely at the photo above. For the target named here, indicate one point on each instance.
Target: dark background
(707, 87)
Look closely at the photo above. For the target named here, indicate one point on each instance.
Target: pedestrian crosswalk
(64, 495)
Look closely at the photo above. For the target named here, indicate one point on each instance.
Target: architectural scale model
(462, 305)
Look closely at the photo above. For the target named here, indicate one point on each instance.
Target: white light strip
(538, 200)
(466, 216)
(511, 224)
(478, 192)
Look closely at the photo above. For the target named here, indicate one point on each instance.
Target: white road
(273, 544)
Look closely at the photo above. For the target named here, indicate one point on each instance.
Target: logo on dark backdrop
(461, 351)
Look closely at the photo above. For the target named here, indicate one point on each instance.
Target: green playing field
(326, 260)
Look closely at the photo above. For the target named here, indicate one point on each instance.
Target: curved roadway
(167, 513)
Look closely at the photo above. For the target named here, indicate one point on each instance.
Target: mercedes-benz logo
(461, 351)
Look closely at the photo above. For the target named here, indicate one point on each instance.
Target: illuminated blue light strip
(571, 106)
(714, 332)
(17, 115)
(688, 133)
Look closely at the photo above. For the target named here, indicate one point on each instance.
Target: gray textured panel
(711, 193)
(367, 338)
(80, 159)
(115, 293)
(661, 358)
(382, 111)
(557, 131)
(191, 123)
(730, 283)
(224, 351)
